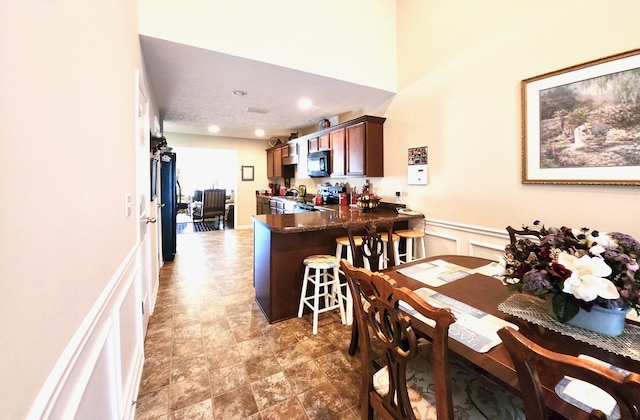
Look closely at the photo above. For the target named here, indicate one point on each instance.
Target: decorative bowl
(367, 203)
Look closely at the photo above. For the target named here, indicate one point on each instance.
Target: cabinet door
(354, 149)
(324, 142)
(270, 164)
(337, 152)
(293, 149)
(312, 145)
(277, 162)
(262, 205)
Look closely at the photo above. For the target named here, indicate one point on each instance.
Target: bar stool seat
(342, 243)
(326, 284)
(409, 236)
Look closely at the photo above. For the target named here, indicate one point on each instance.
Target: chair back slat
(529, 359)
(393, 330)
(372, 248)
(525, 232)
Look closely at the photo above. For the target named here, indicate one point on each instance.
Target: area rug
(197, 227)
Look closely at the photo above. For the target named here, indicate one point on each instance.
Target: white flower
(596, 250)
(501, 267)
(586, 281)
(602, 239)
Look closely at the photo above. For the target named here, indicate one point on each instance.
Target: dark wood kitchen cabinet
(262, 204)
(275, 166)
(337, 153)
(321, 142)
(358, 148)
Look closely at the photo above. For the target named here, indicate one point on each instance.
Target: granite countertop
(337, 217)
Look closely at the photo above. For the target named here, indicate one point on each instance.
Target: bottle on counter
(366, 187)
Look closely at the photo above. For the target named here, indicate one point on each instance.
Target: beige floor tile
(211, 354)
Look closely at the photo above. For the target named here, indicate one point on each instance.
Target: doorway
(200, 169)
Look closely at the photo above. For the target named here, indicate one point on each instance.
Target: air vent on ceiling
(257, 110)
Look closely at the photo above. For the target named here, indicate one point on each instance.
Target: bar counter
(281, 242)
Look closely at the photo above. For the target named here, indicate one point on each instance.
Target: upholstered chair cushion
(474, 396)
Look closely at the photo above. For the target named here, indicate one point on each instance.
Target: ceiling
(193, 88)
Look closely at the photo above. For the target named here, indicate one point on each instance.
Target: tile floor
(211, 354)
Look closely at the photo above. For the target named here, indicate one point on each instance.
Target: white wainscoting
(445, 238)
(99, 372)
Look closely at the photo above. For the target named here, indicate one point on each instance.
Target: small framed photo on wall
(247, 173)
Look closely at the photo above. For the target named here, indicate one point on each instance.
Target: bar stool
(396, 243)
(409, 235)
(342, 244)
(326, 283)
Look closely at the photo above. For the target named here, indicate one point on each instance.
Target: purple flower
(626, 242)
(535, 280)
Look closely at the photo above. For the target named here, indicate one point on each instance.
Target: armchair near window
(212, 205)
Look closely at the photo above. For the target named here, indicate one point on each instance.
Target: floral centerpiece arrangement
(579, 268)
(368, 202)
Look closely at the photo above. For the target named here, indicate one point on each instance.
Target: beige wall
(67, 146)
(68, 131)
(351, 40)
(249, 153)
(460, 67)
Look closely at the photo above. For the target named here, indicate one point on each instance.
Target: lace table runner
(533, 309)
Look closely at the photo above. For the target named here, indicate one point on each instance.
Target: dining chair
(530, 360)
(369, 244)
(525, 232)
(418, 380)
(369, 249)
(213, 205)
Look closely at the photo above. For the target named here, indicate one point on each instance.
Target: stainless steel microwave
(318, 164)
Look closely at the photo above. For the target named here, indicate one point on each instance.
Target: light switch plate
(128, 205)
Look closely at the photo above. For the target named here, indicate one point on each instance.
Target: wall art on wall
(417, 165)
(581, 124)
(247, 173)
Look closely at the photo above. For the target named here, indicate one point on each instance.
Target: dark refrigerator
(169, 200)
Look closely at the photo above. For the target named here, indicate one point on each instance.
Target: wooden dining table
(485, 292)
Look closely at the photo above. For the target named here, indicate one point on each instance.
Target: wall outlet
(398, 190)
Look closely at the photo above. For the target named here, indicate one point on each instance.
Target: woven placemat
(533, 309)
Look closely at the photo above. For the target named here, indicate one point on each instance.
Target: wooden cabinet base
(278, 266)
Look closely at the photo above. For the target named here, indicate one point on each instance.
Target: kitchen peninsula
(282, 241)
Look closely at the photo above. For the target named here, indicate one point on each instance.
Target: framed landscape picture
(581, 125)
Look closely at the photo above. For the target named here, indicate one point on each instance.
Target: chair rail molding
(481, 230)
(469, 239)
(483, 245)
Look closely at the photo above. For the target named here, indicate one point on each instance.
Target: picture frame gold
(581, 124)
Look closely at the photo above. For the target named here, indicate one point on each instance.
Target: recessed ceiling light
(304, 103)
(239, 93)
(259, 132)
(214, 128)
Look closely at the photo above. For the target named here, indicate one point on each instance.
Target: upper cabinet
(276, 166)
(357, 148)
(321, 142)
(290, 152)
(338, 167)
